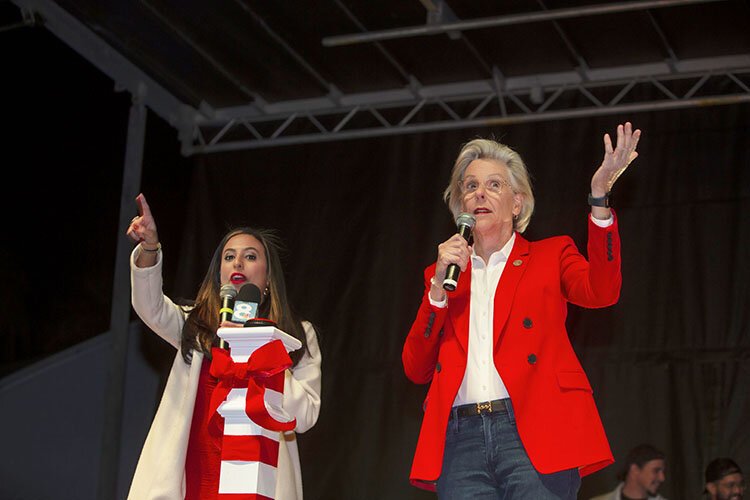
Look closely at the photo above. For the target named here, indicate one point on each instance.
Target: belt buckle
(484, 406)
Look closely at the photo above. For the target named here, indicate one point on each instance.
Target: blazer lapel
(506, 287)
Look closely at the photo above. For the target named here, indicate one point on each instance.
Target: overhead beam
(495, 121)
(530, 98)
(515, 84)
(125, 74)
(487, 22)
(388, 56)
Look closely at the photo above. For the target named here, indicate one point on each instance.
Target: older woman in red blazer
(509, 412)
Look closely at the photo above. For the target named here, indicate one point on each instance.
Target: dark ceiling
(281, 70)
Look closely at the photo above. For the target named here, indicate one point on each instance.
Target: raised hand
(616, 159)
(142, 228)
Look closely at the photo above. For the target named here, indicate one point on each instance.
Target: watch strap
(599, 202)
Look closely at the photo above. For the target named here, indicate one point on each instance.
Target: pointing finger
(143, 207)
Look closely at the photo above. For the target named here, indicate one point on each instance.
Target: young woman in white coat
(179, 459)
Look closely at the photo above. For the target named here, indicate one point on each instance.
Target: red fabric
(264, 365)
(251, 449)
(555, 411)
(207, 445)
(202, 465)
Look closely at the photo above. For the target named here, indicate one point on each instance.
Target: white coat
(160, 473)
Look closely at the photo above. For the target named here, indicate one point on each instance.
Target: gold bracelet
(158, 247)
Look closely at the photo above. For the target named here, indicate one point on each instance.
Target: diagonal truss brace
(480, 103)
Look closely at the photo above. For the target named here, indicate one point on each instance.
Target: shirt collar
(496, 257)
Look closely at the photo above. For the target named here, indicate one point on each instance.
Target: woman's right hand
(142, 228)
(454, 250)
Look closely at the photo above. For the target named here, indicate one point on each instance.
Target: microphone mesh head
(465, 219)
(249, 293)
(228, 291)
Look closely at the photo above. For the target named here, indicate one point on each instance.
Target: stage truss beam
(481, 103)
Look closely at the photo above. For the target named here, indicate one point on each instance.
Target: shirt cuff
(603, 223)
(440, 305)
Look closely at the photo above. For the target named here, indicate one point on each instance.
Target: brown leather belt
(496, 406)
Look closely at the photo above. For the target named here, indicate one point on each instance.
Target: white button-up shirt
(481, 380)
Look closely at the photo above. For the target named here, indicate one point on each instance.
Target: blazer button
(531, 359)
(427, 333)
(527, 323)
(438, 367)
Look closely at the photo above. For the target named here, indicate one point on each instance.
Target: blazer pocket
(573, 381)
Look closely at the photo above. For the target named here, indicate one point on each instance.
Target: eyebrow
(232, 249)
(491, 176)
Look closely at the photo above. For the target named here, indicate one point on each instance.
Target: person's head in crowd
(643, 472)
(724, 480)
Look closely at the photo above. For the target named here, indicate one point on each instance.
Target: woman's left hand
(616, 159)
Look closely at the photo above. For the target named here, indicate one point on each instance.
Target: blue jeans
(484, 458)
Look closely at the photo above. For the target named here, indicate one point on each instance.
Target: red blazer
(552, 399)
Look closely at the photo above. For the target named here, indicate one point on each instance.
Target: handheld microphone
(246, 303)
(465, 223)
(227, 294)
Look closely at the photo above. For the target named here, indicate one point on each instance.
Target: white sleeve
(156, 310)
(302, 384)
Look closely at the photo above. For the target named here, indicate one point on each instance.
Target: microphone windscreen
(466, 219)
(465, 223)
(248, 293)
(246, 303)
(228, 291)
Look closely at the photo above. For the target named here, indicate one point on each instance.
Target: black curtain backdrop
(361, 219)
(669, 363)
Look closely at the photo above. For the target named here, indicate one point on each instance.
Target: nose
(237, 263)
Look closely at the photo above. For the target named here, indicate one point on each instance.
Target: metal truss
(482, 103)
(414, 108)
(455, 25)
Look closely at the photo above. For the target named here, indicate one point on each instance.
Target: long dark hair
(199, 331)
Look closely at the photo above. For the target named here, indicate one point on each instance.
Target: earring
(266, 291)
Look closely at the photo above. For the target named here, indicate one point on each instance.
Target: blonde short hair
(486, 149)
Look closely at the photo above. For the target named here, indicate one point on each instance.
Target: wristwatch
(599, 202)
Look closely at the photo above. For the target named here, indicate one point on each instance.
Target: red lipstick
(237, 278)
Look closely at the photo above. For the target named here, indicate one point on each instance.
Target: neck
(487, 244)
